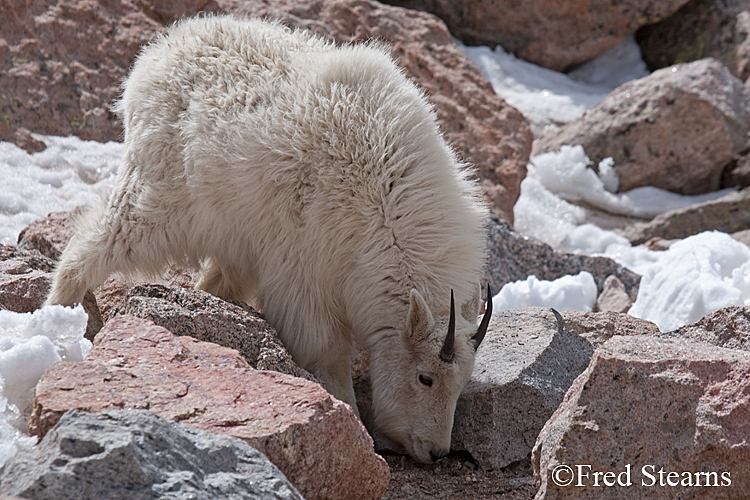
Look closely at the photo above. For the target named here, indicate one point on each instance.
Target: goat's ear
(470, 309)
(420, 316)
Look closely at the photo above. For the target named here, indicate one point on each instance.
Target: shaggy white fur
(311, 180)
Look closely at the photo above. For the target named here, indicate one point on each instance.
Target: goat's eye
(425, 380)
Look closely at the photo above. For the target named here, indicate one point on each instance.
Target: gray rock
(208, 318)
(523, 369)
(133, 454)
(676, 129)
(729, 214)
(512, 257)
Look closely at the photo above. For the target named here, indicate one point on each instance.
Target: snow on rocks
(549, 98)
(68, 173)
(694, 277)
(314, 439)
(568, 293)
(29, 344)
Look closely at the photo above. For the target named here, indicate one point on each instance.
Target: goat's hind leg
(227, 282)
(83, 263)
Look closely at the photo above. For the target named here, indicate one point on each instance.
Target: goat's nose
(437, 456)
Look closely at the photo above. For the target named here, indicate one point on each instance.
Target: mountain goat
(311, 180)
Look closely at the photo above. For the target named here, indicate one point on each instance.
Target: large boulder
(314, 439)
(650, 418)
(556, 35)
(126, 454)
(523, 369)
(676, 129)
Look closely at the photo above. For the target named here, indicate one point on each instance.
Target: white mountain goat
(311, 180)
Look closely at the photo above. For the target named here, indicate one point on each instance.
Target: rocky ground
(601, 389)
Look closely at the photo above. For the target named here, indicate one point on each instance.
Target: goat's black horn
(446, 353)
(482, 330)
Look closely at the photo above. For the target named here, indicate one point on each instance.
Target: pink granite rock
(314, 439)
(555, 35)
(728, 327)
(676, 129)
(613, 296)
(62, 64)
(599, 327)
(22, 288)
(49, 235)
(668, 418)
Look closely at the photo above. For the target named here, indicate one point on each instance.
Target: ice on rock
(569, 293)
(557, 180)
(696, 276)
(70, 172)
(548, 98)
(29, 343)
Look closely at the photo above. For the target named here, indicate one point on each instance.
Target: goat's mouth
(427, 452)
(423, 452)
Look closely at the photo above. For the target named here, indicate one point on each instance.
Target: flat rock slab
(522, 371)
(127, 454)
(646, 405)
(314, 439)
(206, 317)
(729, 214)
